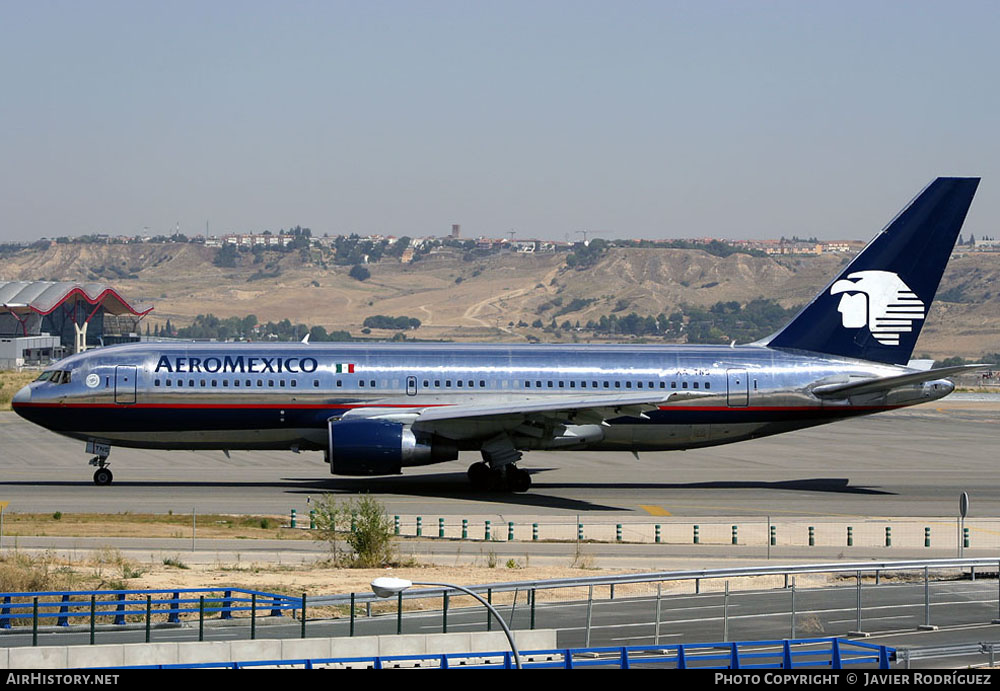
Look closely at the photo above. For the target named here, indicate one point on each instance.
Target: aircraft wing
(574, 409)
(878, 384)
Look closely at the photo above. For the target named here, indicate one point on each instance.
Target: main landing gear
(506, 478)
(103, 475)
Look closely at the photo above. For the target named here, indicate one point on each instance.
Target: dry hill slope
(485, 299)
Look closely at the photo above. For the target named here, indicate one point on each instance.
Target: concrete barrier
(54, 657)
(95, 656)
(134, 654)
(149, 654)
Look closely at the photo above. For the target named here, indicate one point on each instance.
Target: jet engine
(381, 447)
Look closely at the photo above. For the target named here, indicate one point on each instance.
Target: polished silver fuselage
(282, 396)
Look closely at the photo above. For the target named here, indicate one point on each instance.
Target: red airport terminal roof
(44, 297)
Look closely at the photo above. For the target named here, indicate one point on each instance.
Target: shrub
(363, 524)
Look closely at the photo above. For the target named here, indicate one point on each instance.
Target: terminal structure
(41, 321)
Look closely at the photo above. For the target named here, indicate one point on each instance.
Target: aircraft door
(411, 386)
(125, 384)
(739, 387)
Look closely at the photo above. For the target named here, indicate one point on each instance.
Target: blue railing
(60, 607)
(831, 653)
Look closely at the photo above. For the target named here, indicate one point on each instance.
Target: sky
(634, 118)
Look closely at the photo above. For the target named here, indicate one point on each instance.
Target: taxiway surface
(914, 462)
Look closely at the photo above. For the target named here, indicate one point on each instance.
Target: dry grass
(149, 525)
(26, 573)
(10, 383)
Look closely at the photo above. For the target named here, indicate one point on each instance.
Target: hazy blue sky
(643, 119)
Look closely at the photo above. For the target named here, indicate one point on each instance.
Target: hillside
(458, 297)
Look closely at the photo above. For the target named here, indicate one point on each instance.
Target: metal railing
(865, 567)
(990, 648)
(338, 614)
(59, 608)
(831, 653)
(922, 572)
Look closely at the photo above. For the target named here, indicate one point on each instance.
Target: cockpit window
(55, 376)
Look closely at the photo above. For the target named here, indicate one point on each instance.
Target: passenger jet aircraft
(374, 409)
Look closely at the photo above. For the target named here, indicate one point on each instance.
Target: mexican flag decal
(345, 368)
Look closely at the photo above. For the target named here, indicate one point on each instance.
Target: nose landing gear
(103, 475)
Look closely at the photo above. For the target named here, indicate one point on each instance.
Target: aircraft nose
(22, 396)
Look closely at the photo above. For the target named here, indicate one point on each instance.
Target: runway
(914, 462)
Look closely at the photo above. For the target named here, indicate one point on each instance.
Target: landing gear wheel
(103, 476)
(518, 480)
(480, 475)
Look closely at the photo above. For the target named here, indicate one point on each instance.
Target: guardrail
(58, 608)
(864, 567)
(906, 655)
(142, 606)
(833, 653)
(923, 569)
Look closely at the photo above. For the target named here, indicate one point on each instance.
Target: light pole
(387, 587)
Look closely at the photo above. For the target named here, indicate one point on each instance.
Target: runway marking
(655, 510)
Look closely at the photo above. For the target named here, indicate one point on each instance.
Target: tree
(226, 256)
(359, 273)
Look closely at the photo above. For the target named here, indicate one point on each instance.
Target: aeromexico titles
(375, 409)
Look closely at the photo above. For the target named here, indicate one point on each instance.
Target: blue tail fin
(875, 308)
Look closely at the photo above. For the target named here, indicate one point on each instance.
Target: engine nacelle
(380, 447)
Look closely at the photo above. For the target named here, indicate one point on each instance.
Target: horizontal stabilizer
(886, 383)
